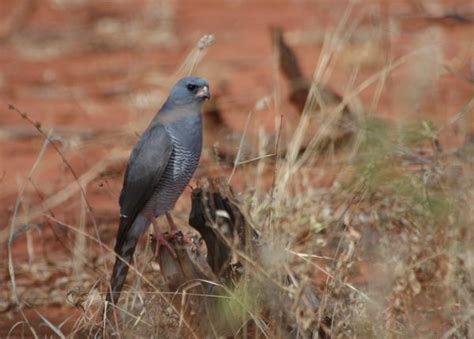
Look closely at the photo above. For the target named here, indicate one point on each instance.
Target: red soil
(71, 66)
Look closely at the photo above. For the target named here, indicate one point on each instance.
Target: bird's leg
(161, 240)
(173, 227)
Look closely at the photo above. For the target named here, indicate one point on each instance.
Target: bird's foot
(162, 240)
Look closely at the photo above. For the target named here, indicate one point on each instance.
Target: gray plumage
(160, 167)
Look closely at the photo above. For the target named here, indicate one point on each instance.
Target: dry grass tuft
(371, 240)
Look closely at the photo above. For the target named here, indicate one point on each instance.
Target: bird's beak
(203, 93)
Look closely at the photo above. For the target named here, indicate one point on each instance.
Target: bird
(159, 168)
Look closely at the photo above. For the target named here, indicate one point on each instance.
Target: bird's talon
(162, 241)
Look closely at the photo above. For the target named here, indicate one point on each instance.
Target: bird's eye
(191, 87)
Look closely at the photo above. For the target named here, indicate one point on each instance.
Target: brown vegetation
(342, 134)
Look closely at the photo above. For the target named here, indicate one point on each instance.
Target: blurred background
(90, 75)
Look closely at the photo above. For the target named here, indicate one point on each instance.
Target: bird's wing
(145, 167)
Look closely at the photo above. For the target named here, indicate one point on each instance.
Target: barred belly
(177, 175)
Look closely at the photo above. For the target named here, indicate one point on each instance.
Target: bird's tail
(124, 250)
(124, 254)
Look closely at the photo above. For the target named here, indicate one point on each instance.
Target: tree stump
(200, 275)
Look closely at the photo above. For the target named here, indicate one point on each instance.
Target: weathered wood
(339, 122)
(189, 264)
(216, 215)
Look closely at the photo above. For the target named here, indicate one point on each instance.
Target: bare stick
(239, 151)
(88, 206)
(277, 145)
(37, 125)
(11, 268)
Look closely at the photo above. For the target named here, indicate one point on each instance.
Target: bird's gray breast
(181, 166)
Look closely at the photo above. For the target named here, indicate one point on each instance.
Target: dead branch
(20, 133)
(335, 125)
(216, 215)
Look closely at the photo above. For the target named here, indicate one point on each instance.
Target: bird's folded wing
(145, 167)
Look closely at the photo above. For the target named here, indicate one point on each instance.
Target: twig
(239, 150)
(277, 145)
(20, 133)
(72, 188)
(132, 268)
(11, 268)
(256, 159)
(55, 329)
(192, 59)
(452, 331)
(37, 125)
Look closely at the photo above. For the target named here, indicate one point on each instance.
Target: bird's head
(190, 90)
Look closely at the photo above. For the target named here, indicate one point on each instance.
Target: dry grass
(384, 250)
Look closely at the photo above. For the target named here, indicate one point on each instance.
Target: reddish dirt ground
(86, 67)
